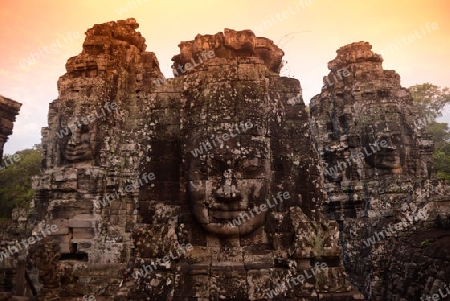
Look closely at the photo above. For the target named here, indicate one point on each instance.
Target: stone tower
(376, 155)
(228, 143)
(92, 151)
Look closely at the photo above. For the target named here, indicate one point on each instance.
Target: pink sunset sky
(309, 32)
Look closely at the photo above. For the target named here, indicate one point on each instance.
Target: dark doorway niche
(75, 255)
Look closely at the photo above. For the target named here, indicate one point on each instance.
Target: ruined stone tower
(8, 111)
(92, 151)
(376, 155)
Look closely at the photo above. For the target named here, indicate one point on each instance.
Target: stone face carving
(83, 142)
(8, 111)
(353, 115)
(225, 184)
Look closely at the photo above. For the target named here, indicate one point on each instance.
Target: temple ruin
(216, 185)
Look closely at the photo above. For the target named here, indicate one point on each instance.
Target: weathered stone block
(83, 233)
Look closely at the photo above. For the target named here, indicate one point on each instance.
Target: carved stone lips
(76, 151)
(222, 214)
(227, 199)
(234, 206)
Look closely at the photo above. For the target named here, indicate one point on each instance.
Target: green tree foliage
(430, 100)
(440, 132)
(15, 180)
(442, 162)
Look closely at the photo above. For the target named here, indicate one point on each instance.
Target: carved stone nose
(74, 138)
(228, 189)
